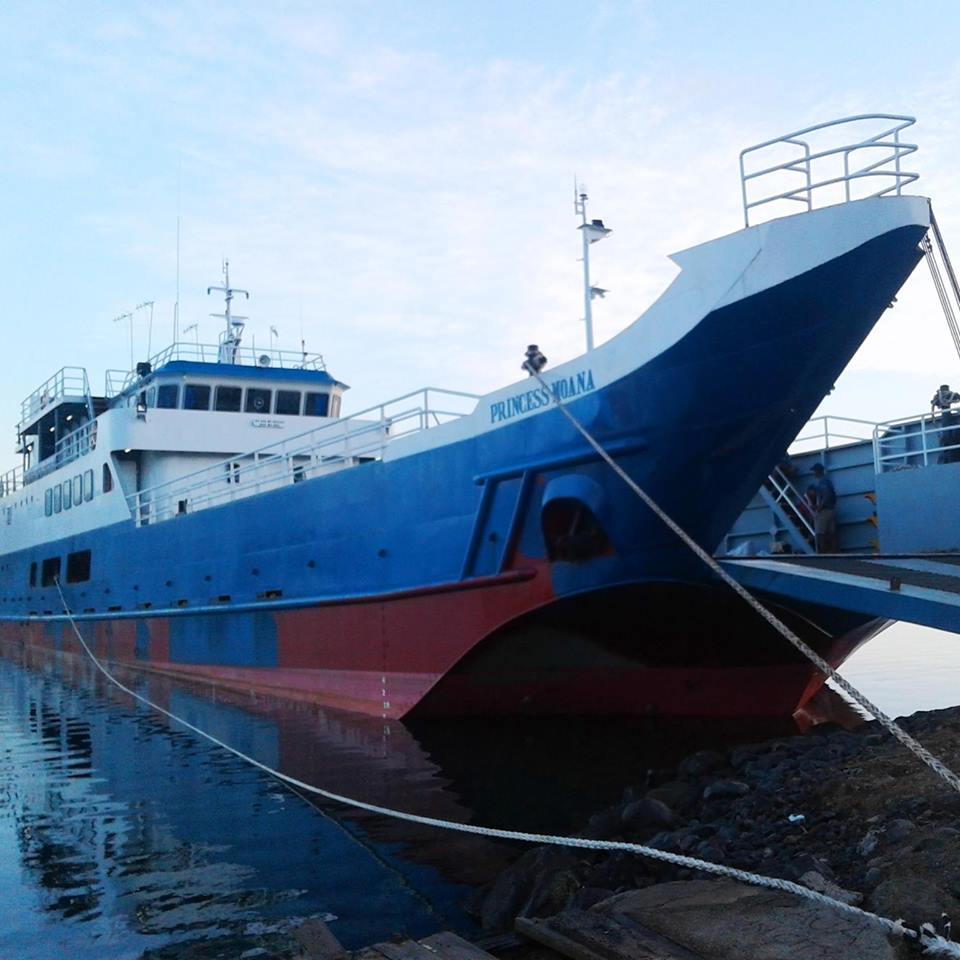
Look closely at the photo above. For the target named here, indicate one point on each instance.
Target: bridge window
(288, 402)
(57, 498)
(50, 571)
(78, 566)
(258, 401)
(152, 397)
(77, 489)
(107, 478)
(48, 501)
(316, 405)
(335, 406)
(167, 395)
(228, 399)
(196, 396)
(67, 495)
(88, 485)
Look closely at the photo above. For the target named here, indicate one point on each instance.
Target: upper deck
(58, 420)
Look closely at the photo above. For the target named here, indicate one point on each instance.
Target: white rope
(579, 842)
(914, 746)
(932, 943)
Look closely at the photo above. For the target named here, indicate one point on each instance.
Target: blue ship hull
(374, 587)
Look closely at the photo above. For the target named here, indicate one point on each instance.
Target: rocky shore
(850, 813)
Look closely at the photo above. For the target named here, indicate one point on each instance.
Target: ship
(214, 515)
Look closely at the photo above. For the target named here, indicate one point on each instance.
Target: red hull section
(476, 650)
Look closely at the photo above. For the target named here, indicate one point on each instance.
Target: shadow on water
(121, 834)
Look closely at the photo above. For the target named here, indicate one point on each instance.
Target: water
(121, 835)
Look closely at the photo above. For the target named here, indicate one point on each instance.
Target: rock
(603, 825)
(916, 899)
(899, 830)
(869, 843)
(700, 763)
(553, 894)
(725, 920)
(648, 812)
(514, 887)
(725, 789)
(819, 884)
(872, 877)
(676, 794)
(586, 897)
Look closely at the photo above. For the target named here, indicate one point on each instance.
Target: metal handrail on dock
(826, 432)
(346, 442)
(812, 162)
(916, 441)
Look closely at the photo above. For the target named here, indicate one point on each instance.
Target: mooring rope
(913, 745)
(931, 942)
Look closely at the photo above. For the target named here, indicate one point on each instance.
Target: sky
(395, 179)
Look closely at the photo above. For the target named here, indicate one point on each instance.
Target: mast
(232, 334)
(593, 231)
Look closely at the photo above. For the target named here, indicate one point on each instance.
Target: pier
(899, 543)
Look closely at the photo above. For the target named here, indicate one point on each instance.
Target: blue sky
(399, 174)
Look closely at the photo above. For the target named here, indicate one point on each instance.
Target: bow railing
(842, 166)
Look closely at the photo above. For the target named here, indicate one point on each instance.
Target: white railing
(784, 492)
(916, 442)
(822, 433)
(332, 446)
(66, 382)
(11, 482)
(818, 166)
(246, 355)
(69, 448)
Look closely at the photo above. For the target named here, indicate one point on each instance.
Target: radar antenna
(231, 336)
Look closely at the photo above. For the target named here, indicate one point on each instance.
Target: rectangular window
(107, 478)
(57, 498)
(67, 494)
(88, 485)
(50, 572)
(316, 405)
(78, 566)
(33, 574)
(152, 397)
(77, 489)
(228, 399)
(258, 401)
(288, 402)
(233, 472)
(335, 406)
(167, 396)
(48, 501)
(196, 396)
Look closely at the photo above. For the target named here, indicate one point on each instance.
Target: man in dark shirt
(825, 523)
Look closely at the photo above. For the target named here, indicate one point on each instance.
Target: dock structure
(899, 538)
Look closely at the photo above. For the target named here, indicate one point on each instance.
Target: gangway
(922, 589)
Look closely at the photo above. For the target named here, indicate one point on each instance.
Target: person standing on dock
(825, 523)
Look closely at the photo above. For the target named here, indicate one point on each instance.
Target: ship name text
(563, 389)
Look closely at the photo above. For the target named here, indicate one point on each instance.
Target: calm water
(123, 836)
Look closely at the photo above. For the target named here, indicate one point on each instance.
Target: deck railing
(341, 443)
(818, 166)
(65, 383)
(247, 355)
(823, 433)
(916, 441)
(11, 482)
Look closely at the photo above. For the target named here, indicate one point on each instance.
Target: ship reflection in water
(121, 834)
